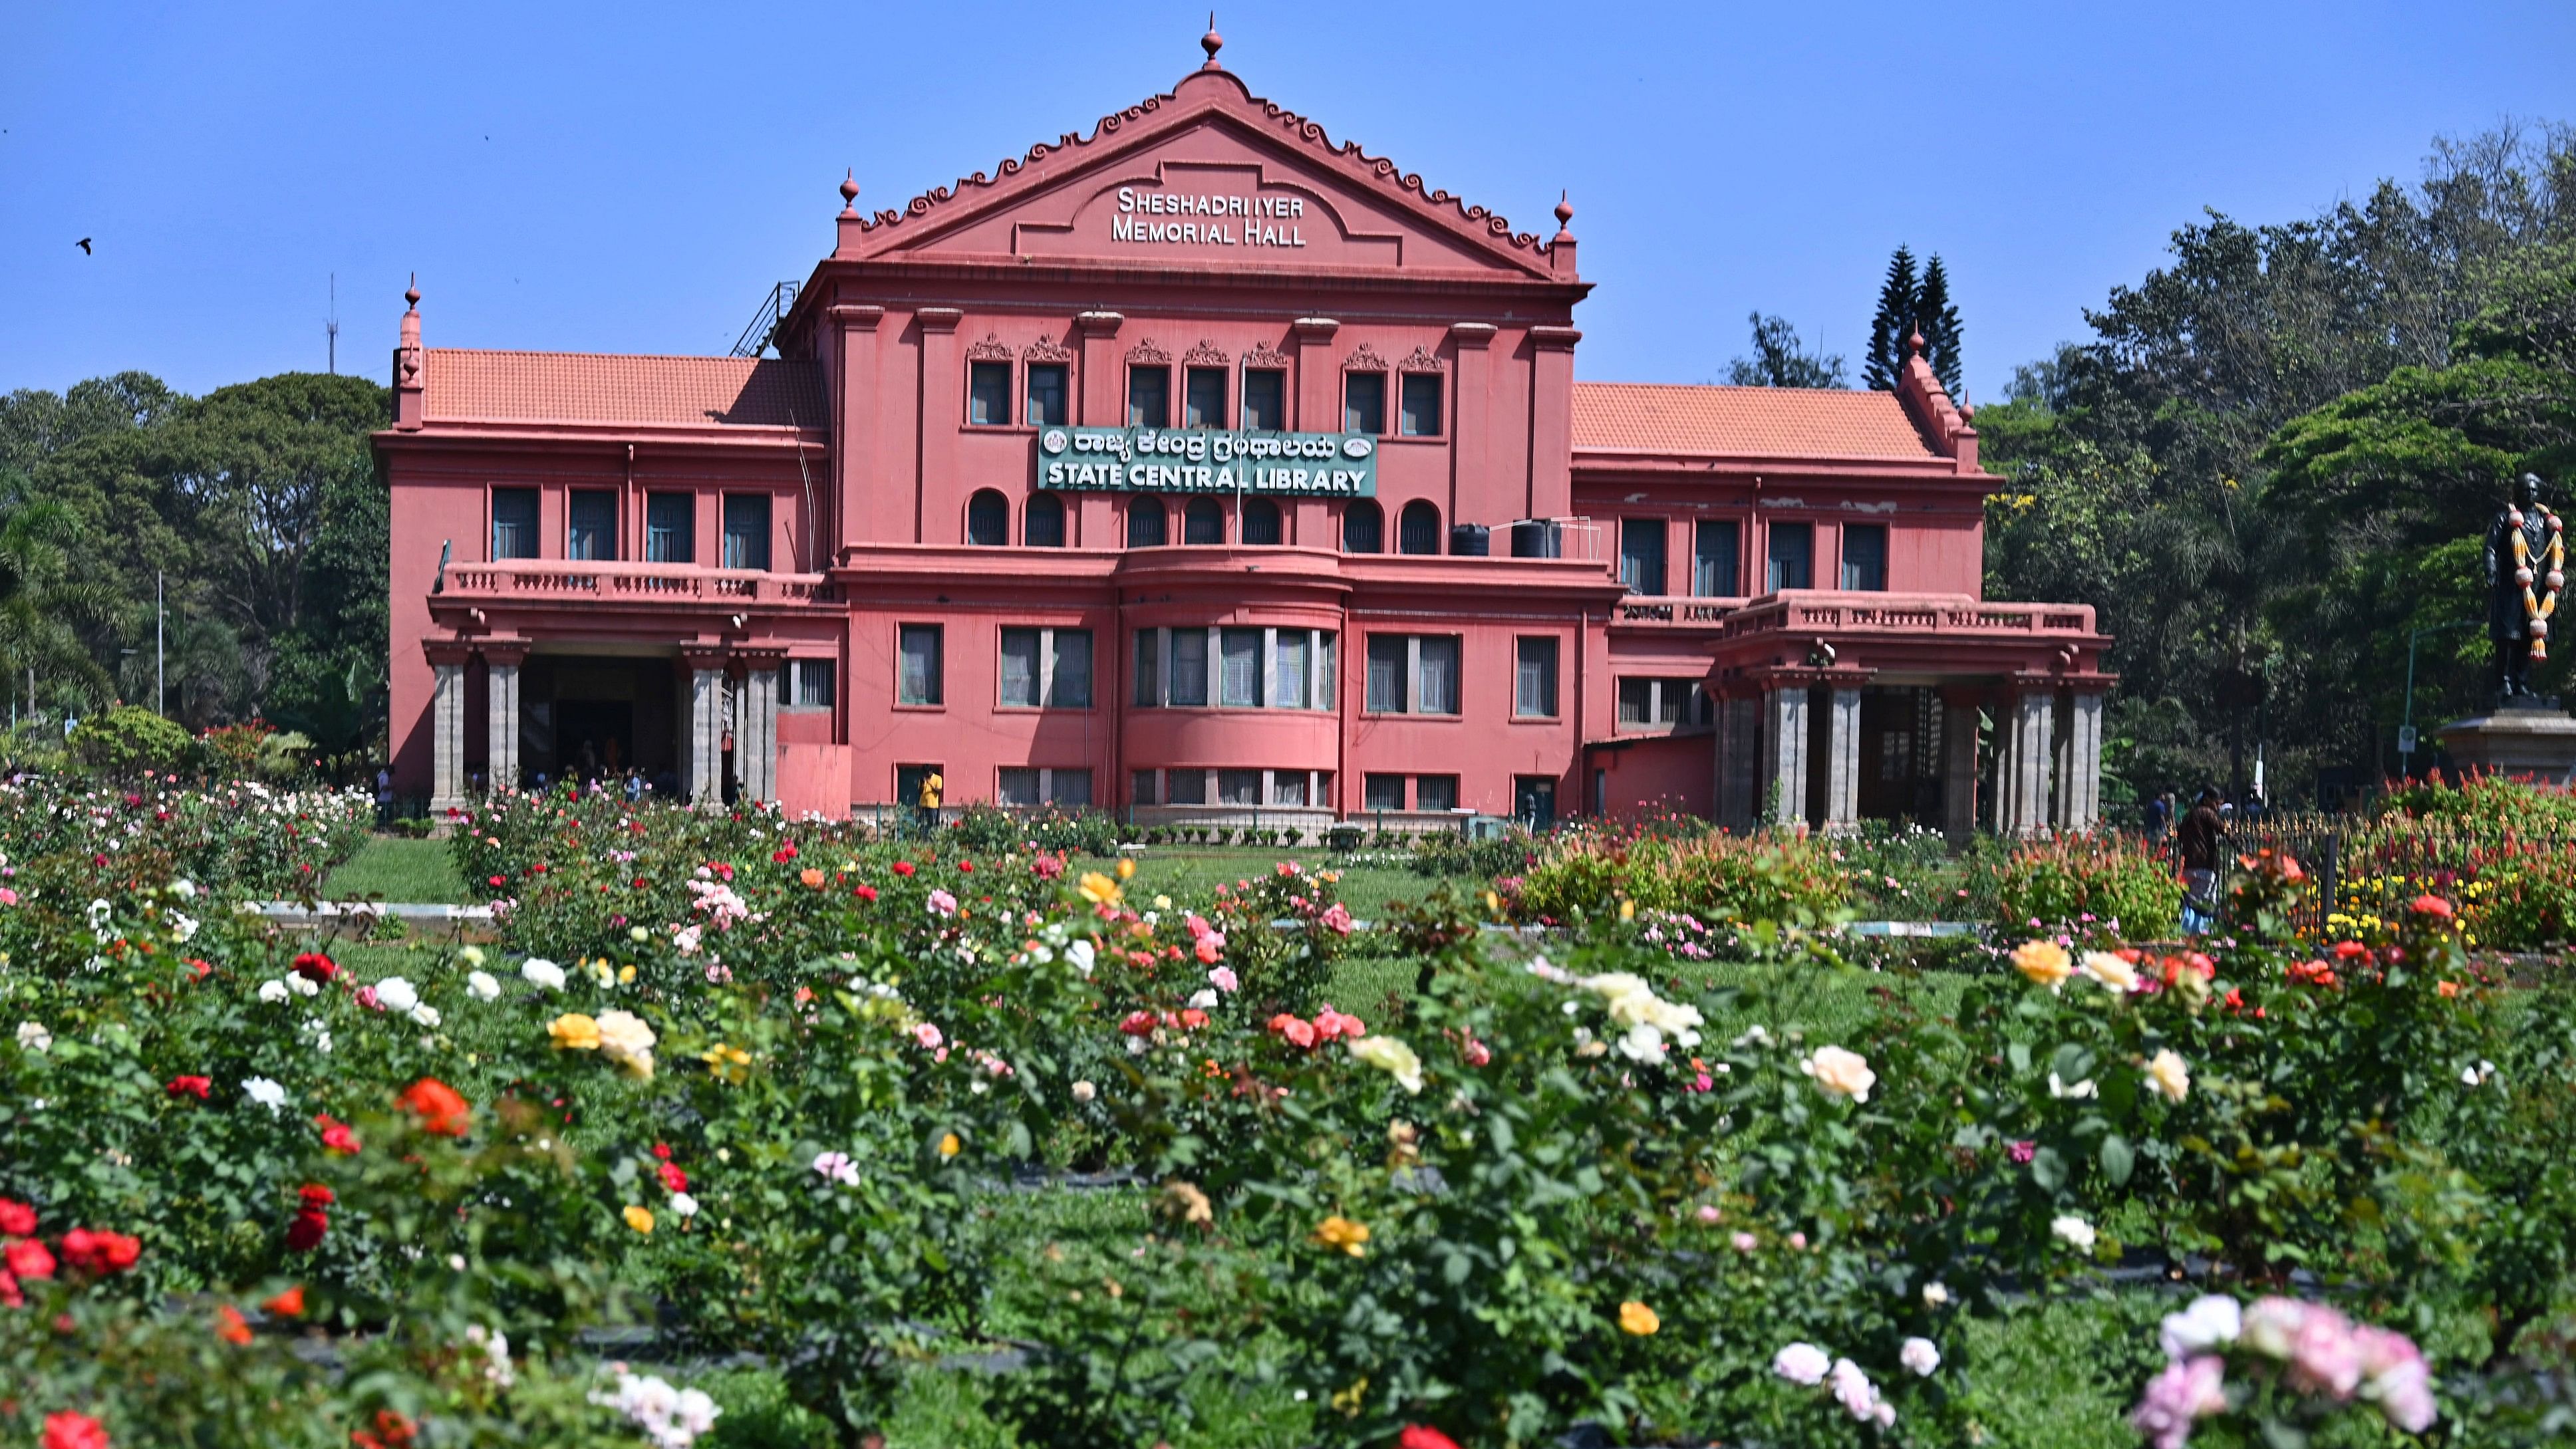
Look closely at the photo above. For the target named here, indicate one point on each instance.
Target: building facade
(1202, 468)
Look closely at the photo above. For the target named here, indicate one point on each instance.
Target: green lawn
(398, 868)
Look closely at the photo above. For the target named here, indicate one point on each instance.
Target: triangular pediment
(1207, 177)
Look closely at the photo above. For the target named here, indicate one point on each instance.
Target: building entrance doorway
(590, 717)
(1534, 801)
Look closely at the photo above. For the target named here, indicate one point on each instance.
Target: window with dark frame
(1534, 691)
(1149, 668)
(921, 677)
(1435, 792)
(807, 684)
(1714, 546)
(988, 394)
(1140, 787)
(1261, 526)
(988, 519)
(1202, 521)
(514, 523)
(1240, 677)
(670, 528)
(1069, 676)
(1047, 395)
(1364, 402)
(1185, 787)
(1203, 398)
(1238, 787)
(1652, 704)
(1865, 557)
(1413, 673)
(1147, 523)
(1382, 792)
(1044, 525)
(1418, 414)
(1265, 400)
(1189, 668)
(590, 531)
(1149, 397)
(746, 531)
(1641, 555)
(1417, 528)
(1791, 557)
(1363, 526)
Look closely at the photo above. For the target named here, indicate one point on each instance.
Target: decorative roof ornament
(411, 294)
(850, 193)
(1564, 215)
(1211, 43)
(1914, 344)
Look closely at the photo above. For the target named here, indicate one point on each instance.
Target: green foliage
(1908, 306)
(131, 743)
(1780, 359)
(2094, 888)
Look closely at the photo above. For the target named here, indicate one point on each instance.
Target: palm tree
(44, 600)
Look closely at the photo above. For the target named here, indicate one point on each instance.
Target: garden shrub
(2092, 887)
(131, 743)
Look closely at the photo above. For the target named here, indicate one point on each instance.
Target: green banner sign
(1200, 460)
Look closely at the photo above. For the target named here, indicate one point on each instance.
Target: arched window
(1417, 528)
(1260, 521)
(988, 519)
(1203, 521)
(1363, 527)
(1044, 527)
(1146, 523)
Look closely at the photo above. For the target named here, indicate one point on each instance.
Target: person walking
(2159, 815)
(2199, 840)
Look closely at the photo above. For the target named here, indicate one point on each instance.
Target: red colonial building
(1201, 467)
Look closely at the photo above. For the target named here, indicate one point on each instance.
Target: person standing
(2159, 815)
(931, 786)
(2198, 840)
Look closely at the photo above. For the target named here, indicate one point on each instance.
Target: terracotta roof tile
(1669, 419)
(592, 387)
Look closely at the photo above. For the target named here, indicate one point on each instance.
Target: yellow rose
(949, 1146)
(1627, 910)
(2111, 971)
(640, 1219)
(574, 1032)
(2167, 1074)
(2044, 962)
(1099, 889)
(1340, 1233)
(623, 1038)
(1842, 1073)
(1126, 868)
(1637, 1318)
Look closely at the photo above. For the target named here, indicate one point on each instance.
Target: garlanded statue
(2526, 560)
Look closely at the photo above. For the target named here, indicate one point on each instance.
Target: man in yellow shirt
(931, 785)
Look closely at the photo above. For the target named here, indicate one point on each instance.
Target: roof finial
(1914, 344)
(411, 293)
(1211, 43)
(850, 193)
(1564, 213)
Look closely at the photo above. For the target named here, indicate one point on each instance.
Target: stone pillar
(702, 770)
(1958, 768)
(447, 727)
(2022, 773)
(1783, 777)
(1842, 759)
(2079, 780)
(501, 722)
(755, 734)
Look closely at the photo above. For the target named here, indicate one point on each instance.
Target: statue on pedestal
(2526, 561)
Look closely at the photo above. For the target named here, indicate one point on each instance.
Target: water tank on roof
(1534, 538)
(1471, 540)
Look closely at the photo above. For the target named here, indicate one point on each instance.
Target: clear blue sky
(633, 177)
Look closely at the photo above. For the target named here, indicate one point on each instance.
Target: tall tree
(1898, 297)
(1937, 319)
(1780, 359)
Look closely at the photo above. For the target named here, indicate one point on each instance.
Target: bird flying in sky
(84, 246)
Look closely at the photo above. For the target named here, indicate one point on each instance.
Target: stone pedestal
(2521, 737)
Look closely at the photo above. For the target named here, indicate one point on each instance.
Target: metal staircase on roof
(774, 308)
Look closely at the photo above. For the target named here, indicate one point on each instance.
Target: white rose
(1084, 1091)
(1080, 954)
(426, 1015)
(683, 1204)
(1842, 1073)
(266, 1093)
(185, 890)
(303, 985)
(542, 972)
(34, 1038)
(2058, 1088)
(2077, 1233)
(1802, 1363)
(2110, 970)
(1642, 1043)
(1919, 1355)
(273, 991)
(1935, 1294)
(481, 984)
(1204, 998)
(395, 994)
(1391, 1057)
(2211, 1321)
(2169, 1076)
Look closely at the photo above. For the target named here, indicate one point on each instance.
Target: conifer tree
(1895, 317)
(1938, 320)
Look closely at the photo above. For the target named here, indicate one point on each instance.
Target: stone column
(1958, 768)
(702, 770)
(501, 724)
(2022, 775)
(447, 727)
(1783, 777)
(755, 735)
(1842, 760)
(2079, 781)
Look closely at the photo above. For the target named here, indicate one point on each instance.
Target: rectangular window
(514, 523)
(1265, 400)
(670, 528)
(1069, 788)
(1421, 405)
(1437, 689)
(1534, 694)
(1792, 557)
(1238, 787)
(1364, 402)
(1149, 668)
(1242, 668)
(746, 531)
(1069, 683)
(1189, 668)
(1287, 787)
(1149, 397)
(1288, 669)
(1435, 792)
(1140, 787)
(1641, 555)
(1047, 395)
(1389, 655)
(1662, 704)
(924, 671)
(1019, 787)
(1327, 662)
(1865, 556)
(988, 394)
(1205, 398)
(591, 531)
(1187, 787)
(1713, 555)
(1020, 668)
(1382, 792)
(808, 683)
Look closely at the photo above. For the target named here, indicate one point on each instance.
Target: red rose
(673, 1178)
(196, 1087)
(783, 854)
(903, 867)
(2435, 907)
(16, 1218)
(1192, 1018)
(28, 1258)
(289, 1304)
(438, 1108)
(336, 1136)
(230, 1326)
(305, 1233)
(68, 1430)
(966, 867)
(1423, 1436)
(662, 1150)
(865, 893)
(317, 968)
(1138, 1023)
(315, 1196)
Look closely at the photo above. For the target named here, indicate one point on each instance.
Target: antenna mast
(331, 327)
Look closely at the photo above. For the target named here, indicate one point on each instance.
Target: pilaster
(1469, 430)
(2079, 786)
(702, 769)
(1783, 777)
(1842, 762)
(2023, 773)
(1319, 385)
(447, 725)
(1551, 432)
(855, 441)
(755, 738)
(501, 714)
(940, 393)
(1099, 393)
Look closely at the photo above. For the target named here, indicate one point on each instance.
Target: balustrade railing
(675, 583)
